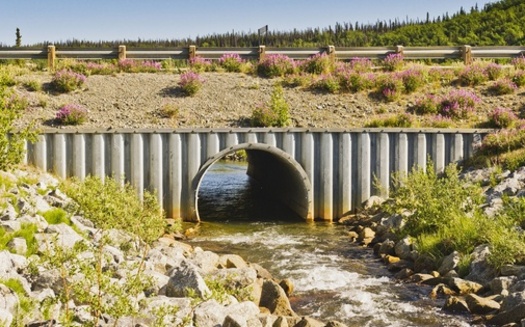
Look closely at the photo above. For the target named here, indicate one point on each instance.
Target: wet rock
(480, 269)
(450, 262)
(387, 247)
(403, 249)
(309, 322)
(512, 270)
(456, 304)
(261, 272)
(419, 278)
(287, 285)
(274, 298)
(513, 315)
(480, 305)
(366, 236)
(440, 290)
(500, 284)
(463, 286)
(334, 324)
(232, 261)
(404, 273)
(280, 322)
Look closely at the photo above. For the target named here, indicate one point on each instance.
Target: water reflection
(226, 193)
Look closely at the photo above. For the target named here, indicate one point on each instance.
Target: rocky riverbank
(493, 297)
(55, 273)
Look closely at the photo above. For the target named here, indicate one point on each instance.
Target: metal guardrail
(465, 53)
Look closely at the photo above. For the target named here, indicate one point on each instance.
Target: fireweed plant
(231, 62)
(65, 81)
(393, 62)
(276, 66)
(71, 114)
(190, 82)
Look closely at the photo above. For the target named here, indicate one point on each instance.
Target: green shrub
(71, 114)
(109, 205)
(327, 83)
(66, 81)
(276, 66)
(274, 114)
(399, 120)
(190, 83)
(56, 216)
(473, 75)
(390, 86)
(318, 64)
(33, 86)
(519, 78)
(503, 86)
(11, 143)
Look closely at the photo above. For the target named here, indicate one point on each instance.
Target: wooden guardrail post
(466, 52)
(192, 52)
(262, 52)
(51, 57)
(121, 52)
(330, 51)
(399, 49)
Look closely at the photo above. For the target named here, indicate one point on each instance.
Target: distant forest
(497, 24)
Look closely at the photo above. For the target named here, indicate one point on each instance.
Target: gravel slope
(226, 100)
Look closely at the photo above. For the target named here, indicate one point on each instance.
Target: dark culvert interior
(263, 187)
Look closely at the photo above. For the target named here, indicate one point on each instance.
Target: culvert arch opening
(268, 185)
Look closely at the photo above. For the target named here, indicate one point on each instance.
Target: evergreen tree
(18, 38)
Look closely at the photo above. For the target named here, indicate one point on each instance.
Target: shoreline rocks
(492, 297)
(81, 275)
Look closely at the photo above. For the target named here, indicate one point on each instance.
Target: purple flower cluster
(473, 75)
(276, 65)
(393, 62)
(412, 79)
(519, 62)
(361, 65)
(227, 57)
(71, 114)
(66, 80)
(458, 103)
(502, 117)
(494, 71)
(504, 86)
(133, 66)
(190, 82)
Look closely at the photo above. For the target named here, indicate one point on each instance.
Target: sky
(94, 20)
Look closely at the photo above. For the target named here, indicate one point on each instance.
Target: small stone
(456, 304)
(480, 305)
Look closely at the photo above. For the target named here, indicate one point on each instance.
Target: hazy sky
(60, 20)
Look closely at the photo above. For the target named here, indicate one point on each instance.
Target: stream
(334, 279)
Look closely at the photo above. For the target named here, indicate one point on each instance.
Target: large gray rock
(212, 314)
(37, 220)
(513, 300)
(274, 298)
(500, 284)
(207, 261)
(9, 213)
(235, 278)
(232, 261)
(8, 299)
(6, 318)
(463, 286)
(450, 262)
(512, 270)
(403, 249)
(480, 269)
(513, 315)
(186, 277)
(57, 235)
(11, 263)
(480, 305)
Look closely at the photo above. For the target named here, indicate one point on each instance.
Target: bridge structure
(319, 174)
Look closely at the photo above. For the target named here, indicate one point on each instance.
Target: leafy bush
(169, 110)
(413, 79)
(318, 64)
(137, 66)
(473, 75)
(494, 71)
(199, 64)
(428, 104)
(12, 143)
(503, 86)
(519, 62)
(442, 75)
(275, 66)
(361, 65)
(519, 78)
(71, 114)
(276, 113)
(399, 120)
(66, 81)
(328, 83)
(56, 216)
(190, 82)
(502, 118)
(355, 82)
(458, 104)
(393, 62)
(232, 62)
(390, 86)
(109, 205)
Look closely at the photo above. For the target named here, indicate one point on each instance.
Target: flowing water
(333, 278)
